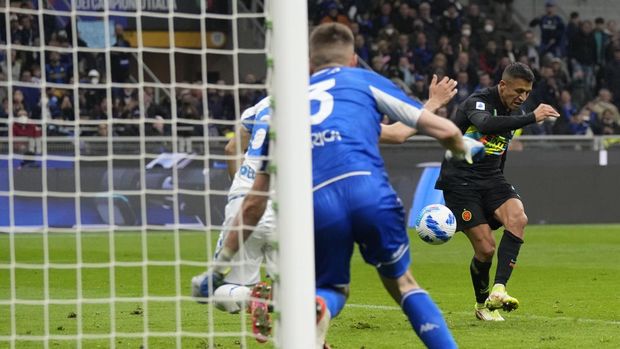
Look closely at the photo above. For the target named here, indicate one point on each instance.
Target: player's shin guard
(334, 300)
(427, 321)
(507, 256)
(480, 279)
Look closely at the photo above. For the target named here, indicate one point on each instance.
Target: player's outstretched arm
(450, 137)
(440, 94)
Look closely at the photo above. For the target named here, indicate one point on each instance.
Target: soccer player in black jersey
(479, 195)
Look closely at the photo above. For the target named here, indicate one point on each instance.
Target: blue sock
(427, 320)
(334, 300)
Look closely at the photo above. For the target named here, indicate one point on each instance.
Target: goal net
(113, 175)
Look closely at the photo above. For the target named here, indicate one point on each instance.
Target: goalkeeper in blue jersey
(353, 200)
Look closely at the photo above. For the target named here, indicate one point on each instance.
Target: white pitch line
(539, 317)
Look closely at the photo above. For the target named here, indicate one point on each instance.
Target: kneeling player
(232, 291)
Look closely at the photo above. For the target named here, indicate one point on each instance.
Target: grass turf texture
(566, 280)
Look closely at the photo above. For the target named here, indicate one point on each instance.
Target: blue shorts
(362, 209)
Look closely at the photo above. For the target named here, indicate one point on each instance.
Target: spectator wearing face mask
(488, 34)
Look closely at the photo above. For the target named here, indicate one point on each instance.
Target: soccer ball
(435, 224)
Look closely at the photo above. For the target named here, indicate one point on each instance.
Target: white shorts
(256, 250)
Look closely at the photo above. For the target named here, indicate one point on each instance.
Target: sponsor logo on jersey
(321, 138)
(480, 105)
(466, 215)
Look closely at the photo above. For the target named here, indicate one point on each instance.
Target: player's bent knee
(485, 251)
(395, 268)
(516, 222)
(231, 298)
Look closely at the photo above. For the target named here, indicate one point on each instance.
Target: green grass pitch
(567, 280)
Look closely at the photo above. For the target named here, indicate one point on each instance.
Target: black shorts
(475, 206)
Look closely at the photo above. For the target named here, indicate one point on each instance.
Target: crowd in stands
(576, 61)
(100, 110)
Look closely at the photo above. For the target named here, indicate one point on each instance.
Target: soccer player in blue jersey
(353, 200)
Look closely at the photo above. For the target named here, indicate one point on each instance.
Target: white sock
(232, 298)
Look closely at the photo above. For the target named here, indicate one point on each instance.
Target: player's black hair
(518, 70)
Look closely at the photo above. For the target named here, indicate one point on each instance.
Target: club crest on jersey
(480, 105)
(466, 215)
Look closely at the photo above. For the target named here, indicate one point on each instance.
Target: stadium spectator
(427, 24)
(463, 64)
(612, 76)
(603, 102)
(484, 81)
(579, 123)
(361, 48)
(19, 101)
(403, 20)
(489, 58)
(23, 127)
(488, 34)
(551, 29)
(474, 19)
(120, 60)
(407, 71)
(420, 88)
(250, 96)
(16, 65)
(601, 40)
(221, 103)
(606, 124)
(572, 27)
(384, 17)
(530, 49)
(55, 70)
(422, 52)
(465, 88)
(152, 107)
(450, 22)
(334, 15)
(582, 52)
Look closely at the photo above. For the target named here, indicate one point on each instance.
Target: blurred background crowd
(576, 61)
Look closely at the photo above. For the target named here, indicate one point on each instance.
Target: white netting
(112, 170)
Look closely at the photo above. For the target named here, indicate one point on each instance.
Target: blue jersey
(346, 108)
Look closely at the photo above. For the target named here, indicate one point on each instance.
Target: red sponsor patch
(466, 215)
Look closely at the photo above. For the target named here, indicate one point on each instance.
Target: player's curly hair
(331, 43)
(518, 70)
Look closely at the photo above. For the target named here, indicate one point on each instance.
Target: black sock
(507, 256)
(480, 278)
